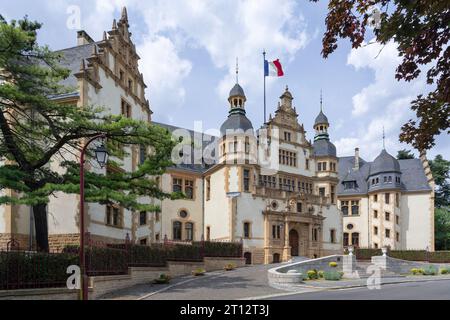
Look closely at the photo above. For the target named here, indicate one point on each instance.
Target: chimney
(356, 167)
(83, 38)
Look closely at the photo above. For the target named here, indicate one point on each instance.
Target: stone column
(287, 247)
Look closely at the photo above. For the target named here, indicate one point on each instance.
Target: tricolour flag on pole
(273, 68)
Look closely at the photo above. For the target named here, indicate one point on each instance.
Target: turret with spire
(322, 144)
(237, 119)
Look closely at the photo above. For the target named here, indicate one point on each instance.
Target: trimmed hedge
(102, 260)
(222, 249)
(410, 255)
(22, 270)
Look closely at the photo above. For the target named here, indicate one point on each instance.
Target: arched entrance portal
(248, 258)
(294, 242)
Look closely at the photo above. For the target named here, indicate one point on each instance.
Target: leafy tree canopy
(41, 137)
(421, 31)
(405, 154)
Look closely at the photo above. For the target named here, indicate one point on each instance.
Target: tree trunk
(40, 223)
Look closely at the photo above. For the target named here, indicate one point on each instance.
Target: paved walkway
(243, 283)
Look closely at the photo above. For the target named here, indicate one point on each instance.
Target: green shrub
(312, 274)
(332, 275)
(416, 271)
(320, 274)
(333, 264)
(230, 267)
(445, 270)
(198, 272)
(430, 271)
(21, 270)
(163, 279)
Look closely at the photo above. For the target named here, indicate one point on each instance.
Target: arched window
(176, 230)
(189, 227)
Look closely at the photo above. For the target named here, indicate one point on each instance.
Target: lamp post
(101, 155)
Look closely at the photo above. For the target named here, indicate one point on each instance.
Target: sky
(188, 53)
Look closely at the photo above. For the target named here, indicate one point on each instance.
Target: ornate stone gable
(286, 117)
(116, 54)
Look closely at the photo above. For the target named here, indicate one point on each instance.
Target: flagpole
(264, 56)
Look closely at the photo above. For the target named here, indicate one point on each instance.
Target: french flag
(273, 69)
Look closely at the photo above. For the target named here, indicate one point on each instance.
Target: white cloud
(230, 29)
(383, 103)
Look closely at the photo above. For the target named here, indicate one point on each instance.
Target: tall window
(397, 219)
(386, 198)
(322, 192)
(142, 218)
(189, 189)
(208, 233)
(247, 145)
(345, 239)
(397, 200)
(333, 194)
(299, 207)
(315, 235)
(287, 136)
(355, 208)
(177, 185)
(287, 158)
(125, 109)
(246, 230)
(375, 214)
(332, 236)
(397, 236)
(344, 208)
(319, 166)
(142, 154)
(355, 239)
(176, 230)
(375, 231)
(388, 233)
(276, 232)
(375, 198)
(246, 180)
(189, 228)
(387, 216)
(113, 216)
(307, 164)
(208, 189)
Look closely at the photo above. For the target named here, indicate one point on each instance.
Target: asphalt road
(431, 290)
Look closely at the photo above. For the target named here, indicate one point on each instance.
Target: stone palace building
(310, 203)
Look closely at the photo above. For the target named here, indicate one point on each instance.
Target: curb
(320, 289)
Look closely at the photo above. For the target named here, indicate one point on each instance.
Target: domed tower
(237, 136)
(384, 173)
(325, 157)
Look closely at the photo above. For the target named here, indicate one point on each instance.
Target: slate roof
(208, 147)
(321, 118)
(71, 59)
(384, 163)
(413, 176)
(237, 91)
(324, 147)
(236, 122)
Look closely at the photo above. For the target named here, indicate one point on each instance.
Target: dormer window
(349, 185)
